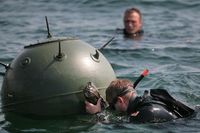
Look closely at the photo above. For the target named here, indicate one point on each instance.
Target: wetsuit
(136, 34)
(159, 106)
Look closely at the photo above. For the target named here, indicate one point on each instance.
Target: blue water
(169, 49)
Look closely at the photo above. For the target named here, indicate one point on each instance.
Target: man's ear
(120, 99)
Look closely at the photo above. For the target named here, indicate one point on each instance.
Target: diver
(132, 24)
(154, 106)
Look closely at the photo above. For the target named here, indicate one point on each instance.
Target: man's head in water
(118, 94)
(132, 21)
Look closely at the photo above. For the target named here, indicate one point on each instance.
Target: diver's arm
(100, 114)
(93, 109)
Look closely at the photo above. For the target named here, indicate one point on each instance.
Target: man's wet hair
(131, 10)
(118, 87)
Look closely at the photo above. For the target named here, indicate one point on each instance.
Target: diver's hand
(91, 108)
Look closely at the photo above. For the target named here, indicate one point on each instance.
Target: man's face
(132, 22)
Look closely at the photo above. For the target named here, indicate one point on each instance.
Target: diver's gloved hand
(91, 108)
(92, 95)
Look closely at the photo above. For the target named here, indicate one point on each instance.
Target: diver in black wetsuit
(158, 106)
